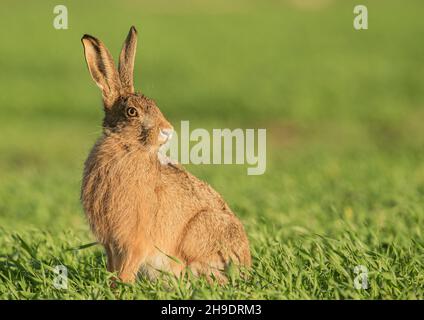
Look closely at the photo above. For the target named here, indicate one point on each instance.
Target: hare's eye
(132, 112)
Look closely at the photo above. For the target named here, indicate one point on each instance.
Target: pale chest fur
(118, 193)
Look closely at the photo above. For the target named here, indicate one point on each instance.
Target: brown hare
(144, 211)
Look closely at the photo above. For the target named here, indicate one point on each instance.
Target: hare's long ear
(102, 69)
(126, 61)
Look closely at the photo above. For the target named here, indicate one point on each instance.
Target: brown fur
(141, 210)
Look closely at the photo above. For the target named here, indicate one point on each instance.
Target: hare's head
(131, 115)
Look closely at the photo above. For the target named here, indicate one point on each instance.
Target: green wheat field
(344, 113)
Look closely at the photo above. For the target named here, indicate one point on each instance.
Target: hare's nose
(166, 133)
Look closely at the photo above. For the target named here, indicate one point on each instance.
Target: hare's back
(184, 186)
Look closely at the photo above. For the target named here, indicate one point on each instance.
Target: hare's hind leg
(213, 269)
(211, 241)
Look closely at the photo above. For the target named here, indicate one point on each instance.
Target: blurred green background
(343, 111)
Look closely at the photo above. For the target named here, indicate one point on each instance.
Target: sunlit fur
(144, 212)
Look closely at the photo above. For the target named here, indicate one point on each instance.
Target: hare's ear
(102, 69)
(126, 61)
